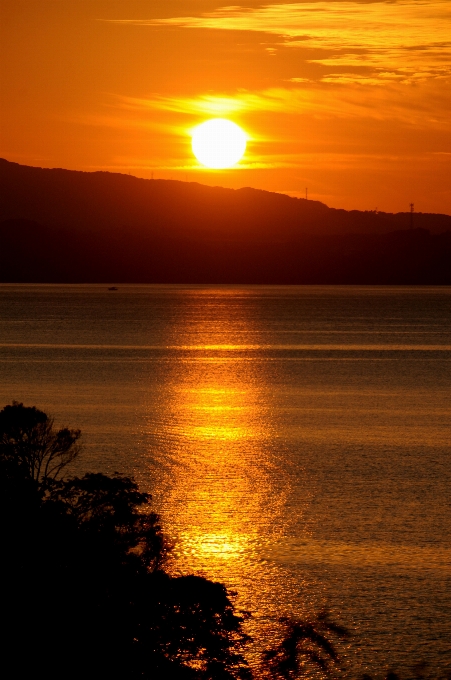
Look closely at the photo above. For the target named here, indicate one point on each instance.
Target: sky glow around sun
(218, 143)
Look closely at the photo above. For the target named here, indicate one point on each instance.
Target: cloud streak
(411, 37)
(331, 101)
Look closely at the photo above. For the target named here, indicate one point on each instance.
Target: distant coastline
(61, 226)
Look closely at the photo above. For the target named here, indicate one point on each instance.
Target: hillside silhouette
(67, 226)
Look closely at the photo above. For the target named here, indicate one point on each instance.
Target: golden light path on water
(220, 494)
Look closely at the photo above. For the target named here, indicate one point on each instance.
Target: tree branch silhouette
(306, 643)
(28, 440)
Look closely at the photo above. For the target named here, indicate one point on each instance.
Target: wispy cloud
(275, 99)
(207, 104)
(329, 101)
(409, 36)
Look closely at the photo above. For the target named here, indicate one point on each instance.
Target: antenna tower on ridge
(412, 206)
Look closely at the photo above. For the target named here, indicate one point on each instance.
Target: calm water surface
(296, 439)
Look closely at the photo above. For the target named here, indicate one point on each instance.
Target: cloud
(275, 99)
(207, 104)
(381, 36)
(330, 101)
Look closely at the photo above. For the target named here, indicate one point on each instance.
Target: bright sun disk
(218, 143)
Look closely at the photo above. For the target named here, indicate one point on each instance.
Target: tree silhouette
(85, 592)
(29, 441)
(306, 642)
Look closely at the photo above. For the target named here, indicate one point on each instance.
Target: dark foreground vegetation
(61, 226)
(84, 589)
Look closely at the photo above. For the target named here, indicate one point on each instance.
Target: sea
(295, 440)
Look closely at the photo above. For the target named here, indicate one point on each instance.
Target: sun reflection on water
(235, 503)
(221, 508)
(221, 476)
(219, 493)
(212, 546)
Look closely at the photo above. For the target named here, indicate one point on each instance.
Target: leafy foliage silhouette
(28, 441)
(306, 642)
(85, 593)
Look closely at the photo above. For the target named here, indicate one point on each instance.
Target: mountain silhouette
(68, 226)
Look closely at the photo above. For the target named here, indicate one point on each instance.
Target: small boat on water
(112, 288)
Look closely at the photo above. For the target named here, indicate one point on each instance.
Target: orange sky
(352, 99)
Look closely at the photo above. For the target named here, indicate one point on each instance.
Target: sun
(218, 143)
